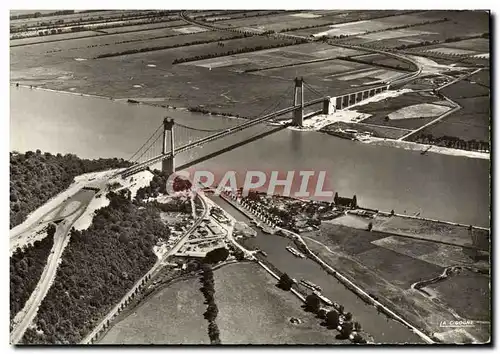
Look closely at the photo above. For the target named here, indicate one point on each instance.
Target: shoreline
(127, 101)
(394, 143)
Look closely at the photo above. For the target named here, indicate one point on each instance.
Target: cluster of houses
(290, 213)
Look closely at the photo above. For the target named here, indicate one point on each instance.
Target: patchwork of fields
(389, 264)
(189, 65)
(244, 63)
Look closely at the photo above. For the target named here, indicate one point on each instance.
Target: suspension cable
(314, 90)
(145, 151)
(273, 105)
(199, 129)
(152, 135)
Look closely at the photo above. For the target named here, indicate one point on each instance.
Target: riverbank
(377, 260)
(388, 265)
(313, 124)
(135, 101)
(424, 148)
(252, 310)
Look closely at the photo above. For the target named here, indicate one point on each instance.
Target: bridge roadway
(216, 136)
(397, 81)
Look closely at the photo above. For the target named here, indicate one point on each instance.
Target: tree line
(26, 267)
(453, 142)
(37, 177)
(238, 51)
(152, 49)
(245, 14)
(208, 290)
(92, 20)
(333, 317)
(98, 267)
(207, 280)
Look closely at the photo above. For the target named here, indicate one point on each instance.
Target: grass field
(462, 125)
(481, 45)
(146, 27)
(468, 293)
(399, 269)
(434, 253)
(214, 83)
(382, 109)
(130, 30)
(386, 266)
(274, 22)
(60, 52)
(472, 121)
(173, 315)
(252, 310)
(55, 37)
(430, 230)
(68, 18)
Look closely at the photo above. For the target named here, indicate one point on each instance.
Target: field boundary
(358, 291)
(103, 34)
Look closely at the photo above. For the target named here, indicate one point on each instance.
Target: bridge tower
(168, 164)
(329, 105)
(298, 113)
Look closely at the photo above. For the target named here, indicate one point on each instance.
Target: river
(438, 186)
(376, 324)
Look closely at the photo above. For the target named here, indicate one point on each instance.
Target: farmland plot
(52, 38)
(381, 111)
(146, 26)
(63, 51)
(274, 22)
(252, 310)
(474, 44)
(173, 315)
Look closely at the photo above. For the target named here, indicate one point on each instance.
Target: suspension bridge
(166, 142)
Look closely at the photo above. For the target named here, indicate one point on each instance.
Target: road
(74, 194)
(228, 228)
(157, 265)
(61, 238)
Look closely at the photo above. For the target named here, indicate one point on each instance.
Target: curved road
(88, 339)
(61, 238)
(399, 80)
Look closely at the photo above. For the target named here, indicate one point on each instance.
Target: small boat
(310, 285)
(294, 252)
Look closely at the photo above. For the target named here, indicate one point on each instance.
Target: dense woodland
(98, 267)
(35, 177)
(208, 290)
(158, 185)
(26, 267)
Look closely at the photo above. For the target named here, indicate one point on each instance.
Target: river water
(438, 186)
(378, 325)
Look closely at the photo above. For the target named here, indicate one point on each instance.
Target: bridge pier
(298, 113)
(345, 101)
(329, 105)
(168, 164)
(352, 99)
